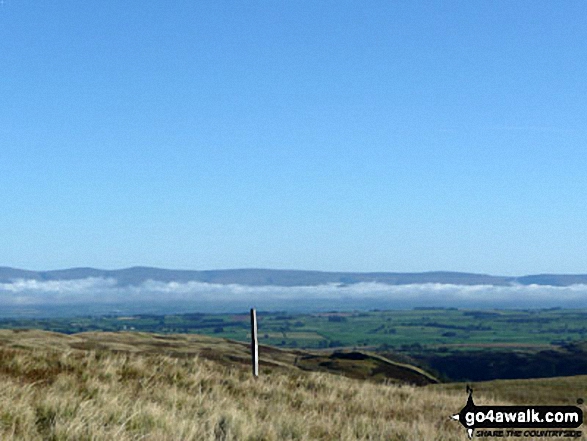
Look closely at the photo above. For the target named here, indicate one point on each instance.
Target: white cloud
(104, 291)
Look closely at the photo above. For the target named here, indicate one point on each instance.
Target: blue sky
(326, 135)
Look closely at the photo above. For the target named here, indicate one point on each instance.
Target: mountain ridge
(284, 277)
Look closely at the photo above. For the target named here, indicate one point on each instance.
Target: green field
(456, 344)
(398, 330)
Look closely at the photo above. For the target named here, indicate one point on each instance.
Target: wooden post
(254, 343)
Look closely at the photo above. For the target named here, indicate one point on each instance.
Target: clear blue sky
(326, 135)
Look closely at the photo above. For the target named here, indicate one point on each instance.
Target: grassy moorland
(544, 391)
(149, 387)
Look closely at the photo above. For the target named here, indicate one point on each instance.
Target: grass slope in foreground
(109, 386)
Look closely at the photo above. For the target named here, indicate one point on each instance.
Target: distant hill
(260, 277)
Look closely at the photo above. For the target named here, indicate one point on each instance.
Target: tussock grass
(541, 391)
(73, 394)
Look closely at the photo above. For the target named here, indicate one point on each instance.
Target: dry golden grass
(52, 392)
(543, 391)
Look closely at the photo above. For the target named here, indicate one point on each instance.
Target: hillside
(543, 391)
(110, 386)
(228, 353)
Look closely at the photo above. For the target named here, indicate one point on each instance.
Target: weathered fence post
(254, 343)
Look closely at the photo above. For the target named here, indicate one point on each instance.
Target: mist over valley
(155, 290)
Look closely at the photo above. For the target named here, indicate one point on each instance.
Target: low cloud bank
(207, 296)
